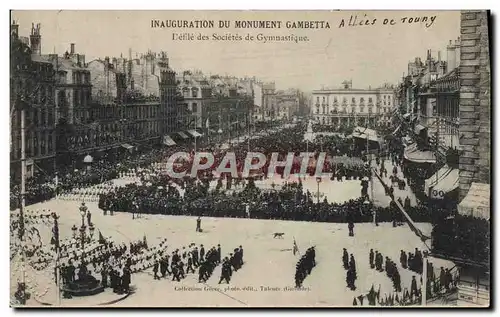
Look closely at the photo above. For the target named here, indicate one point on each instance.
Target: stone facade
(475, 100)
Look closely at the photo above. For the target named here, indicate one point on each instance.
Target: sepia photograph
(247, 159)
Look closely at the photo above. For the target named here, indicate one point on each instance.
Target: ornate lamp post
(87, 160)
(220, 136)
(82, 236)
(91, 231)
(318, 181)
(74, 229)
(83, 212)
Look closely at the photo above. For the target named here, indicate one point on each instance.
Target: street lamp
(220, 136)
(74, 229)
(318, 181)
(87, 160)
(82, 236)
(91, 230)
(83, 212)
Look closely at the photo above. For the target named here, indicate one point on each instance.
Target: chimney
(14, 29)
(451, 57)
(36, 39)
(439, 57)
(72, 49)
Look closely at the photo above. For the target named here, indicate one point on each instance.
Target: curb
(114, 301)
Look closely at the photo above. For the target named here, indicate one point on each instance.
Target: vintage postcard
(250, 158)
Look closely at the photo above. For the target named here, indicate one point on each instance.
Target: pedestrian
(198, 224)
(345, 259)
(155, 270)
(372, 257)
(413, 289)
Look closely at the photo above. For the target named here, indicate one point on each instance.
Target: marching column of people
(305, 265)
(230, 264)
(349, 264)
(391, 269)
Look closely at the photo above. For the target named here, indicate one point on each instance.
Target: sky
(369, 55)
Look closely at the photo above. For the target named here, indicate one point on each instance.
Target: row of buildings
(445, 103)
(348, 106)
(75, 107)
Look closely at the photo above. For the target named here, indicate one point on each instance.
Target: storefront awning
(419, 128)
(167, 140)
(194, 133)
(446, 185)
(127, 146)
(183, 135)
(415, 155)
(407, 140)
(365, 133)
(444, 181)
(397, 129)
(477, 202)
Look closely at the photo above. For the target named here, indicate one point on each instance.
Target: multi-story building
(197, 93)
(348, 106)
(464, 93)
(287, 104)
(32, 84)
(135, 115)
(230, 110)
(269, 110)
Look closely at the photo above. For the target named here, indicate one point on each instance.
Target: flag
(101, 238)
(295, 247)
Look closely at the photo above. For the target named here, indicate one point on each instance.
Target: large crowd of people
(195, 196)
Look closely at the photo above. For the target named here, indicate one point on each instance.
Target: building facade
(287, 104)
(269, 107)
(348, 106)
(32, 85)
(196, 93)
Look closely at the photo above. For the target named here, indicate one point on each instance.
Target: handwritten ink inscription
(355, 20)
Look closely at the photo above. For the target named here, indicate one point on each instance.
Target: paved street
(269, 262)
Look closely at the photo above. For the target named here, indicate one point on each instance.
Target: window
(323, 108)
(362, 100)
(385, 103)
(370, 99)
(195, 93)
(385, 96)
(361, 109)
(43, 95)
(344, 100)
(44, 117)
(50, 143)
(35, 117)
(335, 99)
(35, 144)
(42, 146)
(388, 102)
(324, 99)
(317, 99)
(195, 107)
